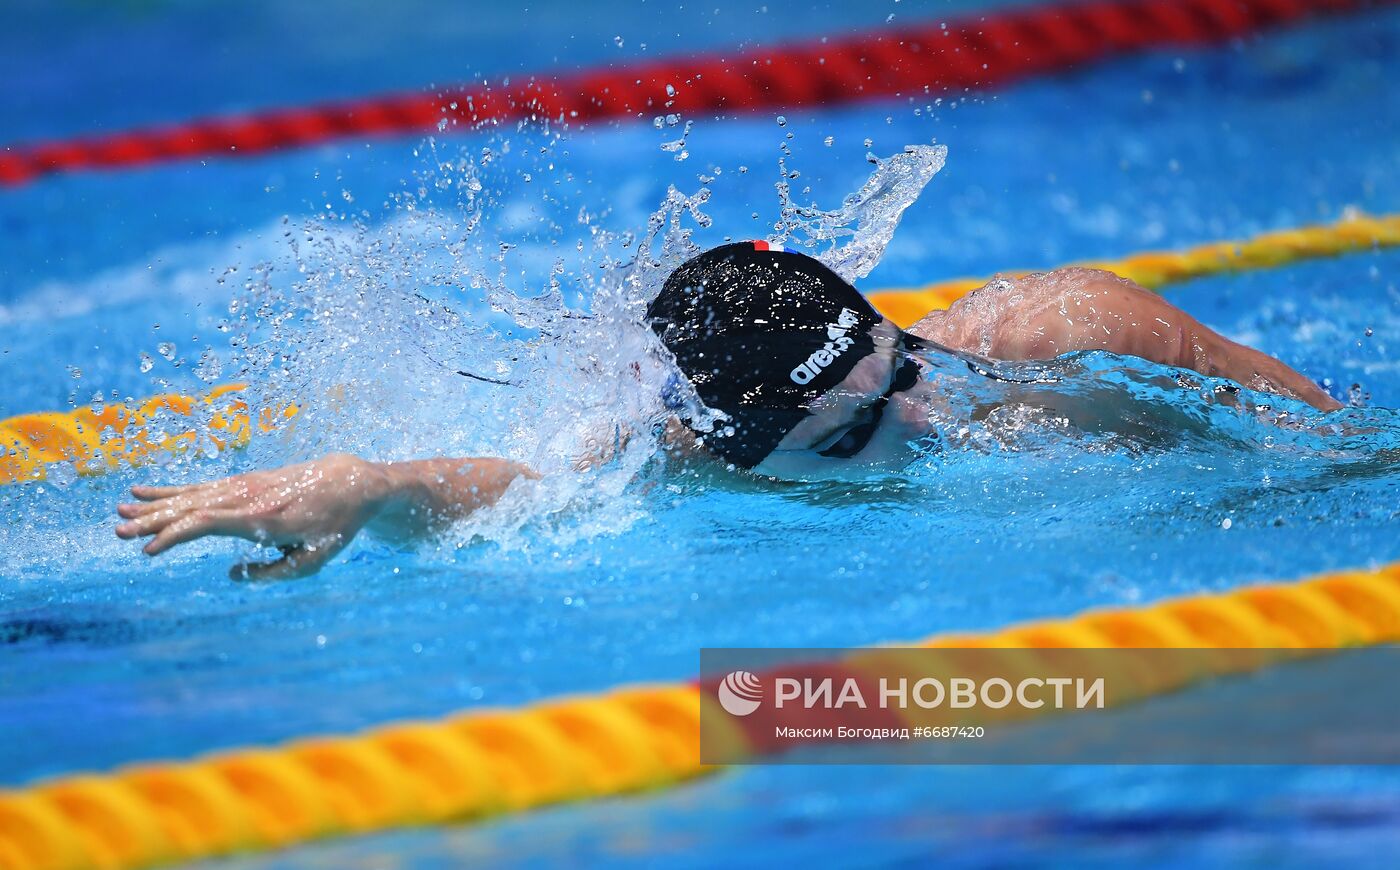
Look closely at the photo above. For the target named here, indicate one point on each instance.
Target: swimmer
(811, 378)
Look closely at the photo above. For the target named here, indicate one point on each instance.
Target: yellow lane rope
(98, 439)
(1157, 269)
(115, 435)
(493, 762)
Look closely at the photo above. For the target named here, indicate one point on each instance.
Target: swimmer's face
(869, 418)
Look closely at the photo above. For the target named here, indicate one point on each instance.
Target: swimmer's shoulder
(958, 325)
(1009, 295)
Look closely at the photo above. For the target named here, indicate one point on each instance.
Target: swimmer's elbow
(678, 439)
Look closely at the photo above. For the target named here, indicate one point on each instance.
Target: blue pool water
(107, 657)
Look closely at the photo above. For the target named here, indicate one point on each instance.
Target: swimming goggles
(854, 439)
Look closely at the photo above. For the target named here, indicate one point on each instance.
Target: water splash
(866, 219)
(472, 327)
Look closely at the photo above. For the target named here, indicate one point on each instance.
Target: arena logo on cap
(838, 341)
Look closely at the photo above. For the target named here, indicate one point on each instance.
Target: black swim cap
(760, 333)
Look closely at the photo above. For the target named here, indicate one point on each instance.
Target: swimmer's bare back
(1040, 316)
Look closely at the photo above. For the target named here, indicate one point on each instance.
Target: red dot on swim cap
(760, 246)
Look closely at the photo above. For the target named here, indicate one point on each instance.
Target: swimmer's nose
(909, 411)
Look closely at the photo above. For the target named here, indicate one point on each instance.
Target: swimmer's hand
(311, 511)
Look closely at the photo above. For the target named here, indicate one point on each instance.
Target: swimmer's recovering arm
(312, 510)
(1042, 316)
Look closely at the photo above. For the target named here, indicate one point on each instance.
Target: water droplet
(75, 372)
(782, 120)
(828, 140)
(670, 90)
(166, 349)
(210, 367)
(146, 362)
(62, 475)
(677, 147)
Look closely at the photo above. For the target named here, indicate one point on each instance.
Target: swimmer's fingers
(147, 522)
(155, 493)
(138, 509)
(299, 561)
(207, 495)
(200, 523)
(143, 520)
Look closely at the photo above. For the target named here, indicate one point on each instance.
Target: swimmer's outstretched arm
(311, 511)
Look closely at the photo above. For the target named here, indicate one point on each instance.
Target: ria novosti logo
(740, 693)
